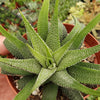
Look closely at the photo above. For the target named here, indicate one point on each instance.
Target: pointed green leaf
(74, 56)
(91, 97)
(12, 49)
(63, 79)
(7, 73)
(76, 39)
(72, 94)
(9, 70)
(53, 40)
(42, 59)
(89, 65)
(59, 53)
(50, 92)
(42, 25)
(19, 36)
(23, 81)
(37, 42)
(29, 65)
(62, 31)
(22, 48)
(85, 74)
(84, 32)
(77, 28)
(26, 91)
(44, 75)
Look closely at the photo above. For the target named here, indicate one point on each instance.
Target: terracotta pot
(89, 42)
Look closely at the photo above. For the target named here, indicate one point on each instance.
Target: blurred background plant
(64, 6)
(10, 17)
(10, 20)
(81, 9)
(85, 12)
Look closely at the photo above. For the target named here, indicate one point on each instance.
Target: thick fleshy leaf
(42, 25)
(37, 42)
(29, 65)
(89, 65)
(91, 97)
(19, 36)
(9, 70)
(62, 31)
(63, 79)
(85, 74)
(23, 81)
(84, 32)
(75, 56)
(75, 39)
(59, 53)
(22, 48)
(42, 59)
(53, 40)
(26, 91)
(72, 94)
(12, 49)
(50, 92)
(74, 31)
(44, 75)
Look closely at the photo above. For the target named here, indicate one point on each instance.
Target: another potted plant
(50, 58)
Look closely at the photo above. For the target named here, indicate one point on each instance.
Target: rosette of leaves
(64, 6)
(51, 59)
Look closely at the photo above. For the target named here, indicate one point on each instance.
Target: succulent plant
(51, 59)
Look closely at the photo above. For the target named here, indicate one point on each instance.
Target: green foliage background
(64, 6)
